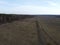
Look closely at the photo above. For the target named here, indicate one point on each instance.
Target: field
(24, 32)
(51, 24)
(18, 33)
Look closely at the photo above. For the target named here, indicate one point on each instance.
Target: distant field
(24, 32)
(52, 25)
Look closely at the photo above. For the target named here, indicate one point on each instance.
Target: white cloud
(29, 9)
(26, 9)
(3, 2)
(52, 3)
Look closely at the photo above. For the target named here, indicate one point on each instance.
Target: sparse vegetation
(23, 31)
(51, 24)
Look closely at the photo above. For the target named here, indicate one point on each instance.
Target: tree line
(12, 17)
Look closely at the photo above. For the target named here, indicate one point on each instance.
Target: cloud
(16, 8)
(52, 3)
(3, 2)
(30, 9)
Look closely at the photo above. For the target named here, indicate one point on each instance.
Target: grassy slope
(19, 33)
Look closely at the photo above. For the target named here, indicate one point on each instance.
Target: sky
(30, 6)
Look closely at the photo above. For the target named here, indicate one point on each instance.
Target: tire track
(40, 34)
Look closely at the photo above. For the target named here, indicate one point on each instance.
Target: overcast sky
(30, 6)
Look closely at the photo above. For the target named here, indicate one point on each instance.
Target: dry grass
(19, 33)
(52, 26)
(25, 33)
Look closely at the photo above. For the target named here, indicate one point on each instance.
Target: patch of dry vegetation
(19, 33)
(52, 26)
